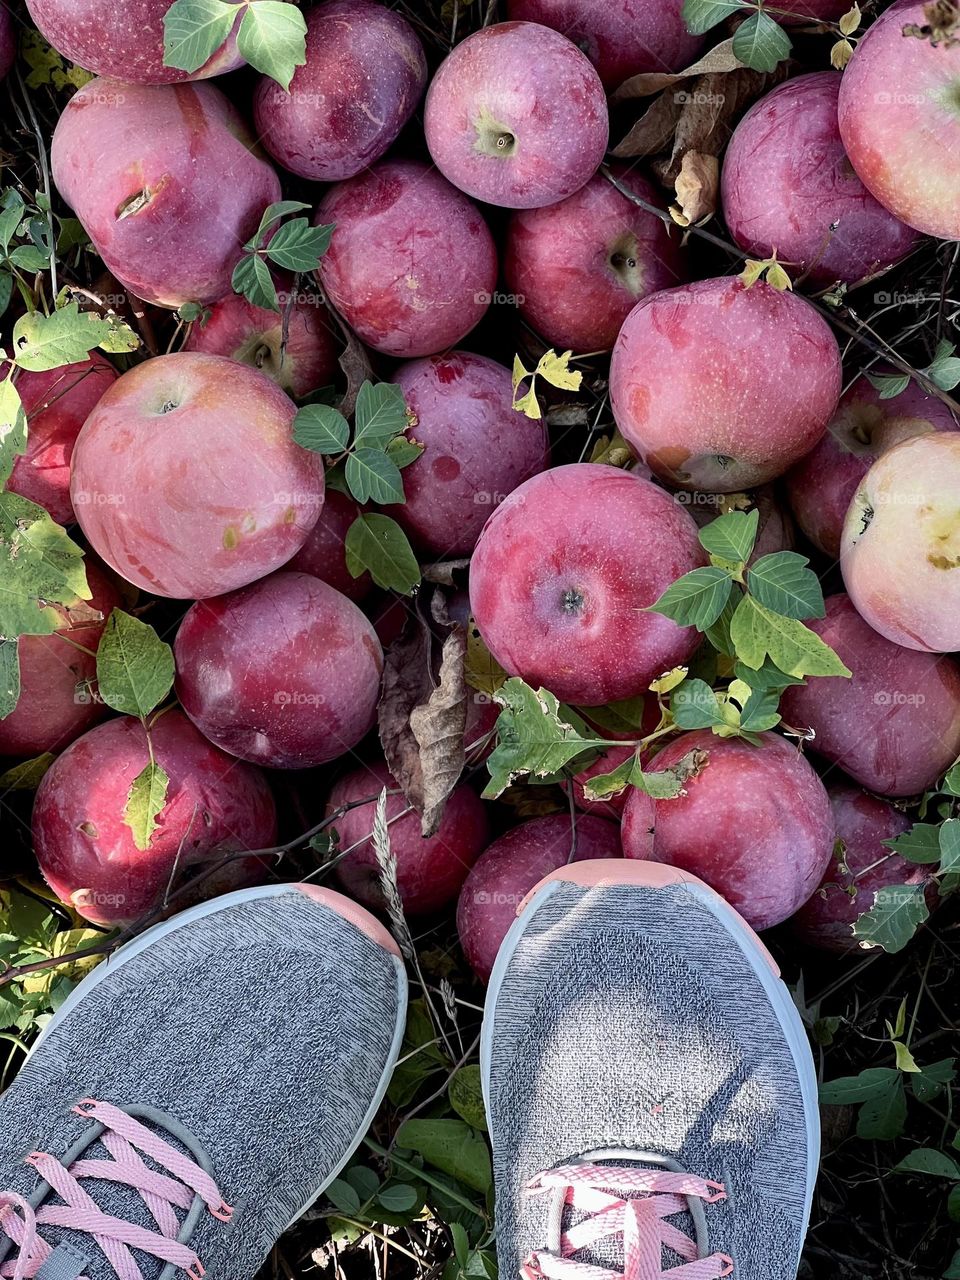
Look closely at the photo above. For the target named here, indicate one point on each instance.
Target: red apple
(578, 268)
(8, 42)
(412, 265)
(477, 449)
(186, 478)
(697, 385)
(821, 485)
(900, 121)
(296, 347)
(58, 698)
(865, 865)
(563, 572)
(123, 40)
(57, 402)
(429, 872)
(86, 851)
(788, 188)
(323, 553)
(754, 823)
(283, 673)
(894, 726)
(620, 37)
(900, 549)
(506, 872)
(606, 762)
(516, 116)
(165, 182)
(364, 74)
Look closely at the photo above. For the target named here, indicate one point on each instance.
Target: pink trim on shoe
(598, 873)
(358, 916)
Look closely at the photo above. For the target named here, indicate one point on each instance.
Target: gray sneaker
(650, 1092)
(197, 1092)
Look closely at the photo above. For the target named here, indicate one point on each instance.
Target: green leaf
(782, 582)
(6, 290)
(398, 1197)
(868, 1085)
(533, 737)
(757, 632)
(343, 1196)
(953, 1210)
(120, 337)
(193, 31)
(298, 246)
(731, 536)
(928, 1160)
(12, 211)
(452, 1146)
(145, 801)
(944, 369)
(321, 428)
(881, 1093)
(951, 781)
(466, 1096)
(904, 1058)
(46, 342)
(381, 413)
(760, 43)
(889, 386)
(696, 706)
(403, 451)
(28, 774)
(760, 711)
(373, 477)
(701, 15)
(13, 429)
(603, 785)
(9, 677)
(251, 278)
(767, 676)
(718, 636)
(39, 566)
(29, 258)
(273, 39)
(897, 913)
(950, 846)
(933, 1078)
(363, 1180)
(377, 544)
(271, 214)
(953, 1270)
(920, 844)
(697, 599)
(461, 1243)
(134, 666)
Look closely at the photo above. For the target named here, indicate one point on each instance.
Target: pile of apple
(186, 483)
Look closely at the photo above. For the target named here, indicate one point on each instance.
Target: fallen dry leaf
(720, 58)
(697, 186)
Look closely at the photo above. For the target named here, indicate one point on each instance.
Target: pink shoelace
(124, 1138)
(634, 1203)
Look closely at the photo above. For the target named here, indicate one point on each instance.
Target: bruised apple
(894, 726)
(429, 871)
(284, 672)
(697, 385)
(58, 694)
(754, 822)
(505, 873)
(166, 184)
(187, 480)
(57, 402)
(89, 855)
(563, 573)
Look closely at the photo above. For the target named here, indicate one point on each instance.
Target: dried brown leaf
(720, 58)
(697, 185)
(653, 131)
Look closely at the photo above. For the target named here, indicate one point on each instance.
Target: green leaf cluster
(271, 35)
(295, 246)
(759, 42)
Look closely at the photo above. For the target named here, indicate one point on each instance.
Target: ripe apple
(754, 823)
(854, 875)
(86, 851)
(165, 182)
(124, 41)
(58, 698)
(57, 402)
(900, 549)
(516, 116)
(364, 75)
(900, 124)
(478, 448)
(186, 478)
(894, 726)
(620, 37)
(509, 868)
(788, 188)
(821, 485)
(300, 361)
(563, 572)
(578, 268)
(323, 553)
(284, 673)
(697, 386)
(8, 42)
(412, 265)
(429, 872)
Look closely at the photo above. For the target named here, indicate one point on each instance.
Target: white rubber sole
(775, 989)
(166, 927)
